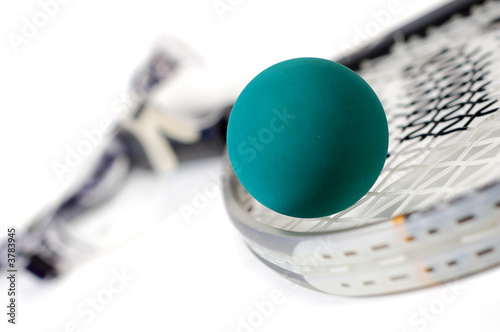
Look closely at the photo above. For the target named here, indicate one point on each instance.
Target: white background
(187, 276)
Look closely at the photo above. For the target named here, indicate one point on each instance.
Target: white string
(420, 173)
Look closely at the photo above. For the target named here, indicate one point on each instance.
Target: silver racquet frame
(448, 239)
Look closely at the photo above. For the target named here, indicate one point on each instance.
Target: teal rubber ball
(307, 137)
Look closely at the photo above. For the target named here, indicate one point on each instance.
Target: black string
(447, 93)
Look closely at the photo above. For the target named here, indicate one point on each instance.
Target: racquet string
(440, 93)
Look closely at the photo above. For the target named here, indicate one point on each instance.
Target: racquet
(434, 213)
